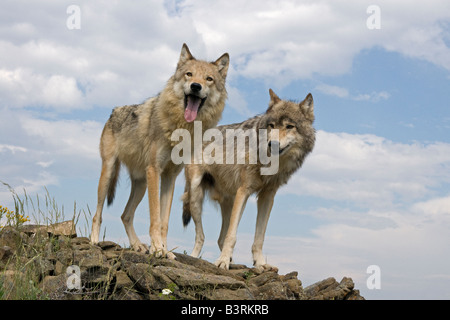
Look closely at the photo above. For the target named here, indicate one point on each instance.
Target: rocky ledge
(60, 265)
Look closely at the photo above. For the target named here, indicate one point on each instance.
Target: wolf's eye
(209, 79)
(289, 126)
(189, 74)
(271, 125)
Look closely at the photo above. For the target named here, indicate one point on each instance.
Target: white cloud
(341, 92)
(124, 54)
(408, 243)
(288, 40)
(436, 208)
(65, 137)
(370, 170)
(373, 96)
(12, 149)
(333, 90)
(378, 202)
(43, 152)
(45, 164)
(22, 87)
(237, 102)
(120, 55)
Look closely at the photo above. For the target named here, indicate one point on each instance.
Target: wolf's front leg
(230, 239)
(168, 178)
(157, 246)
(265, 203)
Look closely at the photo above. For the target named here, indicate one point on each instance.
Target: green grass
(19, 276)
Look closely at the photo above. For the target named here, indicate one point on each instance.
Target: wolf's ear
(274, 99)
(222, 63)
(185, 54)
(307, 106)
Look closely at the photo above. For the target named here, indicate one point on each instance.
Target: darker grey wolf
(291, 135)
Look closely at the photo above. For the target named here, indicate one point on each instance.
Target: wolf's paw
(157, 252)
(162, 253)
(94, 239)
(140, 247)
(265, 268)
(223, 263)
(170, 255)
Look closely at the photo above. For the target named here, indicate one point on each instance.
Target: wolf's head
(293, 122)
(201, 84)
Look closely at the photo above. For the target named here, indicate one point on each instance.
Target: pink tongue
(193, 103)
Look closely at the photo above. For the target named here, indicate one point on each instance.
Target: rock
(55, 287)
(264, 278)
(135, 257)
(123, 281)
(289, 276)
(186, 278)
(226, 294)
(97, 278)
(109, 245)
(59, 268)
(107, 271)
(354, 295)
(66, 228)
(12, 238)
(65, 257)
(42, 267)
(5, 254)
(330, 289)
(8, 279)
(201, 264)
(111, 255)
(145, 281)
(91, 257)
(126, 294)
(271, 291)
(294, 289)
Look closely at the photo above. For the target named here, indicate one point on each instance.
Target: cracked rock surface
(108, 271)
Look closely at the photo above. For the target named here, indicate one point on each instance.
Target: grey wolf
(291, 135)
(138, 136)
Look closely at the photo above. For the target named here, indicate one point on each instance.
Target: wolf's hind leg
(226, 205)
(106, 186)
(138, 187)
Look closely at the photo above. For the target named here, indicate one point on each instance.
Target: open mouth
(274, 145)
(284, 149)
(192, 105)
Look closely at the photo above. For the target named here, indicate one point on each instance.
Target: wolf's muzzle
(196, 87)
(275, 148)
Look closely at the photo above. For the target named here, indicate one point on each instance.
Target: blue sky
(375, 190)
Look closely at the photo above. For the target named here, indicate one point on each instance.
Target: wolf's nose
(196, 87)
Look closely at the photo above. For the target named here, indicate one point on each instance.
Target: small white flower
(166, 291)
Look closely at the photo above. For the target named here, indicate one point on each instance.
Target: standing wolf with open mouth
(290, 135)
(139, 137)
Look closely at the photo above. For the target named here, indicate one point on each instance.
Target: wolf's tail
(113, 181)
(206, 184)
(186, 205)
